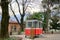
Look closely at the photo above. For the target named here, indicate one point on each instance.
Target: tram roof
(31, 20)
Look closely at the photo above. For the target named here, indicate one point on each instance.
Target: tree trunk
(45, 27)
(22, 20)
(46, 19)
(5, 19)
(22, 15)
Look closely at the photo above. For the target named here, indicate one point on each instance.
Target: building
(13, 27)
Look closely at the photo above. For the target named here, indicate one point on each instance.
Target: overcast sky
(35, 6)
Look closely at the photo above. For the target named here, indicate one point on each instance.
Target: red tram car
(34, 25)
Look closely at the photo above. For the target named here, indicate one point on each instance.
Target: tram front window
(35, 24)
(29, 24)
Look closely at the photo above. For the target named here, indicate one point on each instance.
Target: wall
(11, 26)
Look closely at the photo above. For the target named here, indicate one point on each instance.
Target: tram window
(40, 25)
(35, 24)
(29, 24)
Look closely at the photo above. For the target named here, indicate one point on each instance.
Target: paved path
(50, 37)
(44, 37)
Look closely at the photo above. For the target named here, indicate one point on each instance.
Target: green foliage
(36, 15)
(54, 23)
(47, 4)
(58, 24)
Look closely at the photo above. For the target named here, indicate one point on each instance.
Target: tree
(47, 4)
(54, 23)
(24, 8)
(56, 10)
(5, 19)
(59, 24)
(37, 16)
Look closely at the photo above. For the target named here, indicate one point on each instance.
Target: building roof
(13, 22)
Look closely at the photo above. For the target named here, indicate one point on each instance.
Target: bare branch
(25, 2)
(26, 6)
(14, 14)
(18, 7)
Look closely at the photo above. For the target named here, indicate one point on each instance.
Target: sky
(34, 6)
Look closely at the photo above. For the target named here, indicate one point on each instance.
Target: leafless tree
(25, 4)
